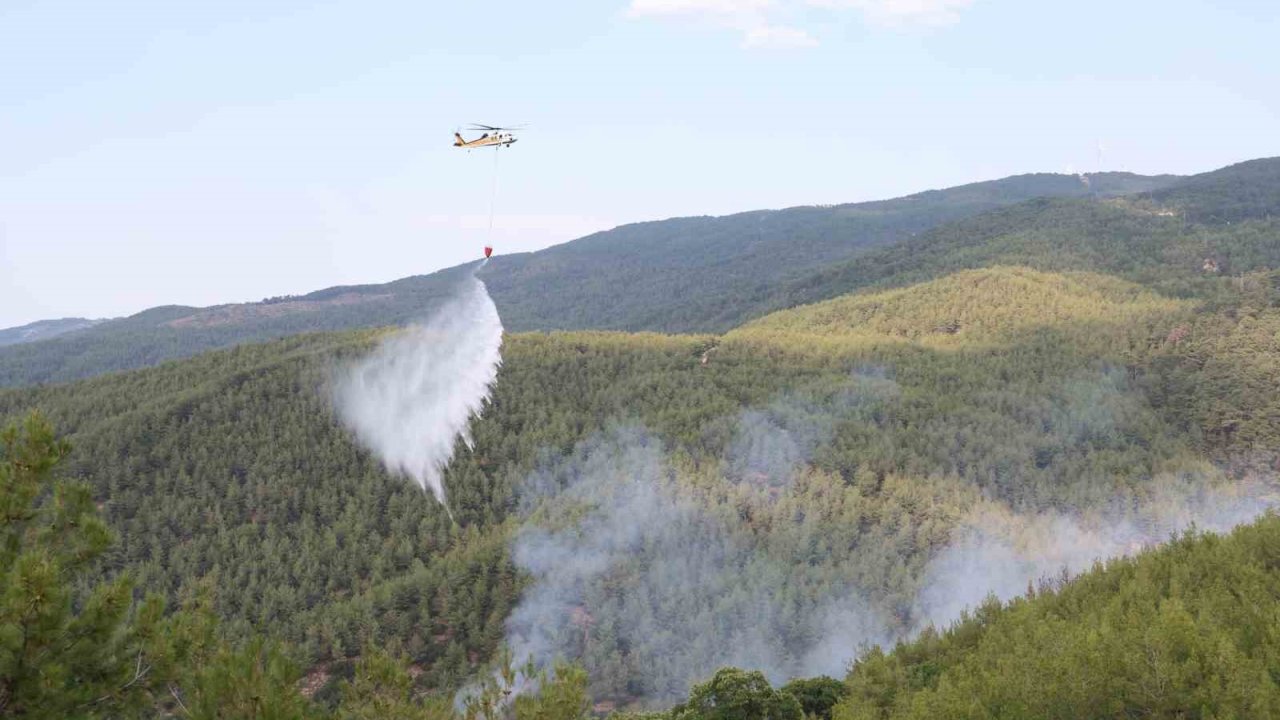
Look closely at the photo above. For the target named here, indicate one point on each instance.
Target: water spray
(411, 399)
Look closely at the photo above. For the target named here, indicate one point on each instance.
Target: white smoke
(701, 587)
(653, 569)
(999, 553)
(771, 444)
(624, 557)
(625, 554)
(415, 395)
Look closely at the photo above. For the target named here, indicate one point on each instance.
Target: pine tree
(63, 653)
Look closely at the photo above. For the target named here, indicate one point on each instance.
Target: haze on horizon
(156, 153)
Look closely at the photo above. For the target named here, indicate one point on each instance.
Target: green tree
(256, 680)
(561, 696)
(816, 695)
(734, 694)
(383, 690)
(63, 653)
(508, 692)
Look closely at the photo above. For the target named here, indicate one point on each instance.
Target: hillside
(1245, 191)
(1187, 630)
(692, 274)
(44, 330)
(1137, 238)
(174, 331)
(994, 305)
(680, 275)
(1183, 630)
(821, 454)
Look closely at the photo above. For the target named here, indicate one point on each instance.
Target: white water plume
(415, 395)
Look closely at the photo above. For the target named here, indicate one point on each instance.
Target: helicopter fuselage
(486, 140)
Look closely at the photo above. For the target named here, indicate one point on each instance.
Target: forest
(1185, 630)
(885, 502)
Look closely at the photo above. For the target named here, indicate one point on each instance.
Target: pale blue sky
(204, 152)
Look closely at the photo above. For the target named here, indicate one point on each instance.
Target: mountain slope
(685, 274)
(976, 308)
(1187, 630)
(692, 274)
(1127, 237)
(823, 450)
(1245, 191)
(44, 330)
(170, 332)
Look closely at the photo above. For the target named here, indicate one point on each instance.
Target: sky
(159, 152)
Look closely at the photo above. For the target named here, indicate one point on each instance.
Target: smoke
(771, 444)
(411, 399)
(653, 569)
(618, 473)
(1000, 553)
(652, 587)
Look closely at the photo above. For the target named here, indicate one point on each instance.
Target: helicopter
(491, 137)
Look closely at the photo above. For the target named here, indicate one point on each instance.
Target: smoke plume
(652, 587)
(411, 399)
(653, 571)
(771, 444)
(1000, 553)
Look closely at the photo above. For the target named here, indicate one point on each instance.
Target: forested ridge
(779, 497)
(680, 275)
(1120, 237)
(710, 274)
(700, 274)
(1244, 191)
(43, 330)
